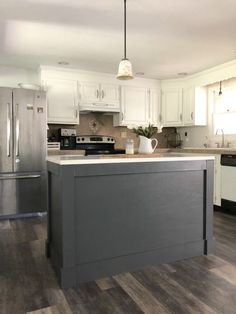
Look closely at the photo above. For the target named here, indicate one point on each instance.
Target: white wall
(11, 76)
(197, 135)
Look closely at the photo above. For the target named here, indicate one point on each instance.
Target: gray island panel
(111, 218)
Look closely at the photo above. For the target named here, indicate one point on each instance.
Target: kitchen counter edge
(168, 157)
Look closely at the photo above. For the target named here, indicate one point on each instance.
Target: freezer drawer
(22, 193)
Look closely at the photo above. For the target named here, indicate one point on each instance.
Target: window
(224, 114)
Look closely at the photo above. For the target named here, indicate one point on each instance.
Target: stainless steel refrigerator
(22, 152)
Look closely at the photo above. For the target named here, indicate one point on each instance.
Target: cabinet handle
(8, 130)
(160, 117)
(181, 117)
(122, 116)
(97, 93)
(103, 94)
(17, 130)
(192, 115)
(76, 113)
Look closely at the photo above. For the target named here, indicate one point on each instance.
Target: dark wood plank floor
(197, 285)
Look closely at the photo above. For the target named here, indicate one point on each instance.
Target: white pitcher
(145, 145)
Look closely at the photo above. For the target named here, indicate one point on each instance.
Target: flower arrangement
(147, 131)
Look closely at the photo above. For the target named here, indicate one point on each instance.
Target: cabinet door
(89, 93)
(217, 181)
(62, 101)
(188, 106)
(110, 95)
(172, 110)
(195, 106)
(154, 106)
(134, 103)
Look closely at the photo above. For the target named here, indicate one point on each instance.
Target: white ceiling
(164, 37)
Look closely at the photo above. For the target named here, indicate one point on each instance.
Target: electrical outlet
(123, 134)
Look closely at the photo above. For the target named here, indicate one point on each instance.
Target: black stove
(97, 145)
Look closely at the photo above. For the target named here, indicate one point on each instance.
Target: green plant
(147, 131)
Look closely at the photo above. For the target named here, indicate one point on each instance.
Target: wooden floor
(197, 285)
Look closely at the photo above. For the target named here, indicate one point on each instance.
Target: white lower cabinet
(217, 181)
(62, 101)
(172, 107)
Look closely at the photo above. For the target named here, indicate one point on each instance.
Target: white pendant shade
(125, 70)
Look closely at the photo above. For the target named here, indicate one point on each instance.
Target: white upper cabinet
(89, 92)
(134, 107)
(154, 106)
(195, 106)
(172, 107)
(62, 101)
(99, 97)
(110, 94)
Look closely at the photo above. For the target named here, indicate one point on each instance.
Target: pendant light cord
(124, 29)
(220, 92)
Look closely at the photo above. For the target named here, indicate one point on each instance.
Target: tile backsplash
(101, 124)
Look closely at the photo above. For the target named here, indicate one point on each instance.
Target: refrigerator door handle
(33, 176)
(8, 130)
(17, 130)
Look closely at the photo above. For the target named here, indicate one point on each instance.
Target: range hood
(99, 107)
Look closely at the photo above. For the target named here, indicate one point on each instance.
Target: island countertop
(122, 158)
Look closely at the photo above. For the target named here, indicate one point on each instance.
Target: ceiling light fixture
(182, 73)
(220, 91)
(63, 63)
(125, 66)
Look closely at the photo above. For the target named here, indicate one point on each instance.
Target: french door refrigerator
(22, 152)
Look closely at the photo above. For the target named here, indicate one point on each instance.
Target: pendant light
(125, 66)
(220, 91)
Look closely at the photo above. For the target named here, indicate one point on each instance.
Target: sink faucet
(222, 137)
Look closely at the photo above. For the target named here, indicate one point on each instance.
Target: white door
(62, 101)
(89, 93)
(217, 180)
(134, 103)
(154, 106)
(228, 183)
(188, 106)
(172, 111)
(110, 95)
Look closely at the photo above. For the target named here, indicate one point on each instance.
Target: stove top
(97, 145)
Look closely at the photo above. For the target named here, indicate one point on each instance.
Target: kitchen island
(112, 214)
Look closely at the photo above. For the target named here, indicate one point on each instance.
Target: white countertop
(106, 159)
(209, 150)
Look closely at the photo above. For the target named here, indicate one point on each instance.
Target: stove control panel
(96, 139)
